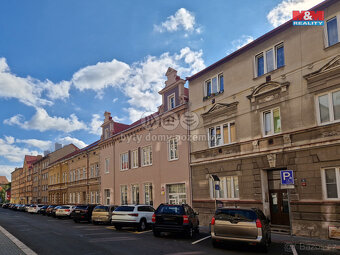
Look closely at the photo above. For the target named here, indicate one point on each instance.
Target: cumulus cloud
(240, 42)
(42, 121)
(67, 140)
(12, 152)
(95, 124)
(41, 144)
(5, 170)
(283, 11)
(59, 90)
(181, 20)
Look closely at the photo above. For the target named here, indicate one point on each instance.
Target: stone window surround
(272, 122)
(323, 180)
(330, 106)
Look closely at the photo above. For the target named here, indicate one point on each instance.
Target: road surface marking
(200, 240)
(292, 246)
(17, 242)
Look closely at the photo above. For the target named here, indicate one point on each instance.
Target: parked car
(53, 212)
(21, 208)
(26, 207)
(241, 225)
(175, 219)
(83, 213)
(50, 209)
(139, 216)
(5, 206)
(34, 208)
(43, 209)
(64, 211)
(102, 214)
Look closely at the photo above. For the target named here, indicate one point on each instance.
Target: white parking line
(200, 240)
(292, 246)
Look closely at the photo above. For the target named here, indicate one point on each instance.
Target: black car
(175, 219)
(42, 210)
(83, 213)
(5, 206)
(49, 210)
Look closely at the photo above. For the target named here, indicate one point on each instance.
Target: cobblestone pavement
(7, 247)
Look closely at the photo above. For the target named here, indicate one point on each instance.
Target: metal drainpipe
(190, 168)
(114, 170)
(87, 177)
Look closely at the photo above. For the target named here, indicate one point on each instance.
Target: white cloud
(41, 144)
(284, 10)
(95, 124)
(59, 90)
(9, 139)
(5, 170)
(14, 153)
(239, 43)
(67, 140)
(115, 100)
(181, 20)
(42, 121)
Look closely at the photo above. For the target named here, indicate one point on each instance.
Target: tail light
(133, 214)
(67, 210)
(185, 219)
(154, 218)
(212, 221)
(258, 223)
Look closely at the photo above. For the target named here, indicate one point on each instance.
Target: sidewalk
(9, 245)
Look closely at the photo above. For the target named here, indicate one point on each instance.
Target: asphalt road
(46, 235)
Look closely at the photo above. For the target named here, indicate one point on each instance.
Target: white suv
(139, 216)
(34, 208)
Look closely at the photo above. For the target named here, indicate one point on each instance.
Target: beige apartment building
(271, 106)
(15, 187)
(147, 162)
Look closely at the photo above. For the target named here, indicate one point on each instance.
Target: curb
(25, 249)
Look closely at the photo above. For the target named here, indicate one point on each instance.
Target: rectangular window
(173, 149)
(135, 194)
(171, 102)
(147, 156)
(332, 31)
(228, 188)
(331, 182)
(97, 170)
(329, 107)
(92, 198)
(269, 60)
(135, 159)
(222, 134)
(214, 85)
(124, 161)
(123, 195)
(92, 171)
(148, 200)
(107, 196)
(84, 173)
(107, 162)
(97, 197)
(271, 122)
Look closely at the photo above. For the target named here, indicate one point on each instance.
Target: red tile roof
(118, 127)
(3, 180)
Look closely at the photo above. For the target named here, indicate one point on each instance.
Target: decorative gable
(326, 77)
(220, 110)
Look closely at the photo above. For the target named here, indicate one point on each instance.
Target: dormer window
(213, 86)
(171, 102)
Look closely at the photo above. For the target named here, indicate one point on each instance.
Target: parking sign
(287, 177)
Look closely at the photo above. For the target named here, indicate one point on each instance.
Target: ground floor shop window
(135, 194)
(123, 194)
(226, 188)
(331, 183)
(148, 198)
(176, 194)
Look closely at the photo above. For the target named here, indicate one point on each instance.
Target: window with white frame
(135, 159)
(222, 134)
(135, 194)
(107, 196)
(228, 188)
(271, 121)
(147, 156)
(97, 197)
(329, 107)
(124, 161)
(92, 171)
(173, 149)
(84, 173)
(214, 85)
(123, 194)
(148, 199)
(331, 182)
(332, 31)
(70, 199)
(92, 197)
(107, 162)
(171, 102)
(269, 60)
(97, 170)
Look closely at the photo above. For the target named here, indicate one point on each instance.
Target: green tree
(3, 192)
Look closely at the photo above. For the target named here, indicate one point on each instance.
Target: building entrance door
(279, 208)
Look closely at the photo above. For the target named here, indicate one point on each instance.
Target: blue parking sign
(287, 177)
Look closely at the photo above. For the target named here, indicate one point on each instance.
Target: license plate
(77, 211)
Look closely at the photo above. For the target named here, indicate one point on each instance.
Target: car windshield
(64, 207)
(170, 209)
(235, 214)
(81, 207)
(125, 209)
(32, 206)
(101, 208)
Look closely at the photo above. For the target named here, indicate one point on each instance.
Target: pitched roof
(3, 180)
(118, 127)
(259, 40)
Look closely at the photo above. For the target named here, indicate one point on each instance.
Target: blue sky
(63, 63)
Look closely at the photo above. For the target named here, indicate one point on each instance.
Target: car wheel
(76, 221)
(142, 225)
(264, 246)
(117, 227)
(156, 233)
(95, 222)
(190, 232)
